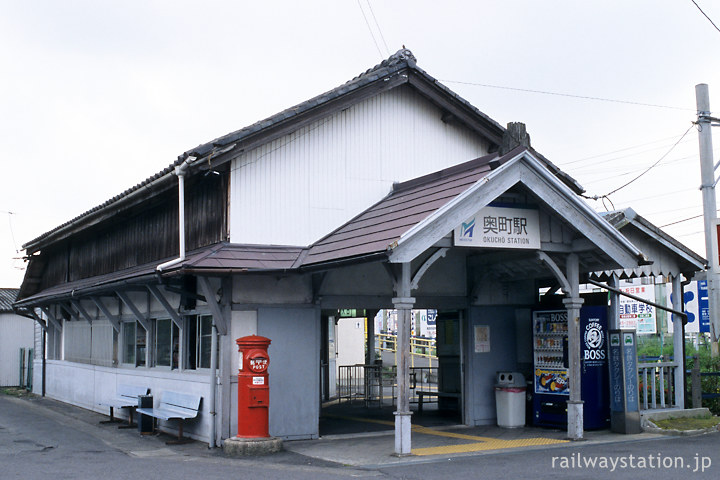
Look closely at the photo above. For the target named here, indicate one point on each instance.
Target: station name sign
(500, 227)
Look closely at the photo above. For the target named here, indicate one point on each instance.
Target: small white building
(16, 342)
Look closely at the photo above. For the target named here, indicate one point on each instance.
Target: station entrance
(359, 361)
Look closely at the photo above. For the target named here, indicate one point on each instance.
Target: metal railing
(375, 385)
(657, 384)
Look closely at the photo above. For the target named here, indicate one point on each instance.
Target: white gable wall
(302, 186)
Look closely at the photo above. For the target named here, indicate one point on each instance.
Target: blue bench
(126, 396)
(175, 406)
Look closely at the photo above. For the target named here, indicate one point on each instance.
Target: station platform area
(351, 436)
(364, 437)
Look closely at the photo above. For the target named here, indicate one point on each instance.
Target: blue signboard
(617, 397)
(703, 306)
(630, 362)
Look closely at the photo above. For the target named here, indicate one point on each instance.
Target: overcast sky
(99, 95)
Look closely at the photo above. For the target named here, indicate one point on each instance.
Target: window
(166, 343)
(134, 341)
(199, 339)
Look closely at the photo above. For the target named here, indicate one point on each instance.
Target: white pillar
(404, 304)
(678, 341)
(573, 302)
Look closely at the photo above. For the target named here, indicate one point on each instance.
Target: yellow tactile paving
(493, 444)
(478, 444)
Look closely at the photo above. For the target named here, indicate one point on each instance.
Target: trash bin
(510, 399)
(145, 422)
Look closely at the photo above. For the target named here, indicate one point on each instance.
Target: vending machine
(552, 388)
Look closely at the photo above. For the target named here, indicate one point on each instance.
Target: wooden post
(696, 384)
(678, 339)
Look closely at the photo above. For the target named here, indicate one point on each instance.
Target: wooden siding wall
(143, 234)
(302, 186)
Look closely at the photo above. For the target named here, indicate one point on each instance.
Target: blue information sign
(617, 397)
(703, 306)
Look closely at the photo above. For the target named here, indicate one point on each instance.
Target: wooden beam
(78, 306)
(440, 253)
(139, 316)
(166, 305)
(114, 321)
(51, 317)
(220, 321)
(73, 314)
(39, 320)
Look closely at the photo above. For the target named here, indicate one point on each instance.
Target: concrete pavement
(373, 449)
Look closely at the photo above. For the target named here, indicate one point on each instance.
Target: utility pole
(707, 186)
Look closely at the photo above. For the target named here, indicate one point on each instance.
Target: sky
(98, 95)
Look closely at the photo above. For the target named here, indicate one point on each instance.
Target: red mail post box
(253, 387)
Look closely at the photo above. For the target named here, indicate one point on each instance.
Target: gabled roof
(670, 257)
(375, 229)
(399, 69)
(420, 212)
(7, 297)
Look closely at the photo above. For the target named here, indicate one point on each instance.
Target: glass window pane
(162, 343)
(191, 336)
(141, 339)
(205, 340)
(128, 343)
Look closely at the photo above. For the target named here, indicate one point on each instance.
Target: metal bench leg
(130, 423)
(112, 417)
(180, 440)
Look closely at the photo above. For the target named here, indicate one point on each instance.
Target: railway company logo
(467, 229)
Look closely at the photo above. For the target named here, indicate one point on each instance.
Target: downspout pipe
(213, 386)
(180, 173)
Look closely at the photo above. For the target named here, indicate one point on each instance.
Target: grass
(688, 423)
(15, 392)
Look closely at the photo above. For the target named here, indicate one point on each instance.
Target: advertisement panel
(635, 315)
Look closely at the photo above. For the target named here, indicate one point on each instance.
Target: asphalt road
(41, 443)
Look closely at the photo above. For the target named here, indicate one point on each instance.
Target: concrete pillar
(678, 339)
(573, 302)
(404, 304)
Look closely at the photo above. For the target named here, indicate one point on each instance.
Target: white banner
(500, 227)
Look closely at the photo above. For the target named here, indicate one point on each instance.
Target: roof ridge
(445, 172)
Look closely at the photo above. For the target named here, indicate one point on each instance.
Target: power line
(681, 221)
(559, 94)
(709, 19)
(371, 31)
(654, 164)
(633, 147)
(382, 37)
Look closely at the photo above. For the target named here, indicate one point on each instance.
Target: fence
(26, 368)
(657, 384)
(374, 385)
(703, 390)
(419, 346)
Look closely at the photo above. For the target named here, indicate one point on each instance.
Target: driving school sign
(500, 227)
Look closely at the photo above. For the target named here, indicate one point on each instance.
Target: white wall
(86, 386)
(350, 343)
(302, 186)
(16, 332)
